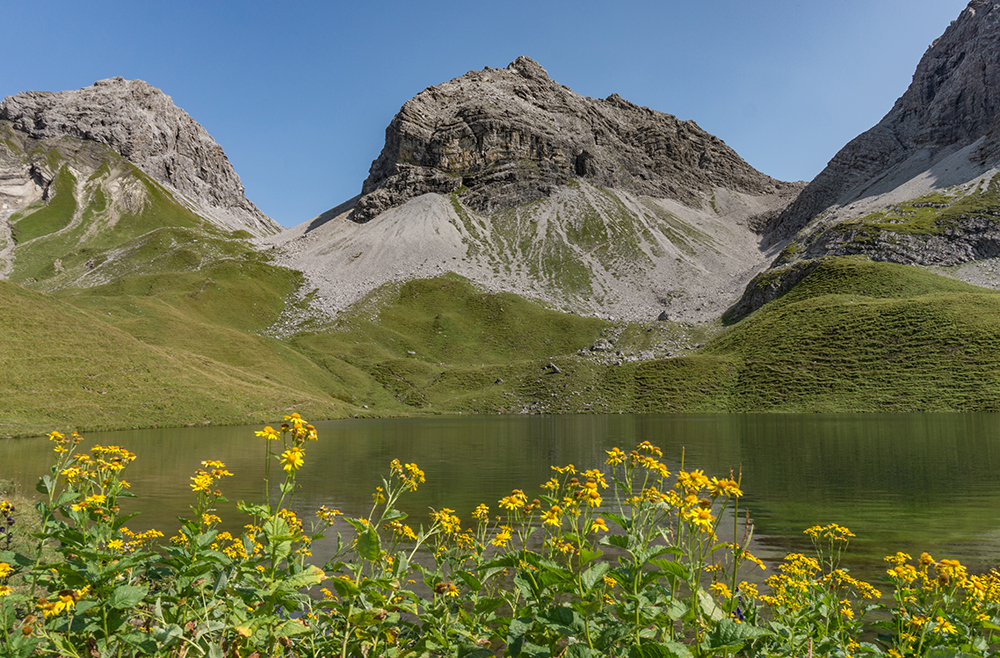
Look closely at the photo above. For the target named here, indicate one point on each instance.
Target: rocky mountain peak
(146, 127)
(952, 102)
(504, 137)
(528, 68)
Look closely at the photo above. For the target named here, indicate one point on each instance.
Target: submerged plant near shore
(623, 561)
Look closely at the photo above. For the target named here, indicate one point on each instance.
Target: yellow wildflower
(268, 433)
(598, 524)
(615, 456)
(292, 459)
(503, 536)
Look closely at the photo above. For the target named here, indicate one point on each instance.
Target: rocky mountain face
(952, 103)
(917, 188)
(142, 124)
(515, 182)
(510, 136)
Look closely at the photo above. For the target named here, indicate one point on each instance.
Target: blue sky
(299, 94)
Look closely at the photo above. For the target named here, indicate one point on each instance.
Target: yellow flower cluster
(515, 501)
(409, 474)
(401, 530)
(328, 515)
(831, 532)
(450, 524)
(140, 539)
(5, 571)
(67, 601)
(204, 478)
(64, 443)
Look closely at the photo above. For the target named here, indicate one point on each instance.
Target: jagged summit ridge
(145, 126)
(509, 136)
(952, 102)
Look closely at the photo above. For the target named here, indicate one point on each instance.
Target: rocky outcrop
(952, 102)
(504, 137)
(142, 123)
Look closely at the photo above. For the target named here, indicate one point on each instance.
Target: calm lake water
(910, 482)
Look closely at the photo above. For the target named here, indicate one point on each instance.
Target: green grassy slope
(156, 317)
(864, 336)
(428, 341)
(64, 369)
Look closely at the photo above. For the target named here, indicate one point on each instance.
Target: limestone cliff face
(504, 137)
(952, 102)
(142, 123)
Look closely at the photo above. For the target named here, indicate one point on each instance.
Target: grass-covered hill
(184, 348)
(124, 308)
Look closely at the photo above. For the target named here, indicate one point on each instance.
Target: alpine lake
(900, 482)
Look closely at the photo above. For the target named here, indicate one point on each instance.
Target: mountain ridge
(144, 125)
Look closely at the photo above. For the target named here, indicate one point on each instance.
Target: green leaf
(660, 650)
(45, 485)
(474, 651)
(470, 580)
(587, 556)
(621, 541)
(729, 635)
(708, 606)
(562, 620)
(311, 575)
(591, 576)
(516, 631)
(619, 520)
(487, 605)
(168, 635)
(345, 587)
(127, 596)
(254, 510)
(672, 567)
(946, 652)
(215, 651)
(290, 628)
(369, 544)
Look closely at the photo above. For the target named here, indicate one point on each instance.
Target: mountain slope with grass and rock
(512, 180)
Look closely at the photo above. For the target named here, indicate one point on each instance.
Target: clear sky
(299, 93)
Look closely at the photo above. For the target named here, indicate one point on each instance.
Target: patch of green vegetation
(53, 216)
(862, 336)
(141, 239)
(931, 214)
(90, 375)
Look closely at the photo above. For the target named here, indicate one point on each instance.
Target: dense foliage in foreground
(624, 561)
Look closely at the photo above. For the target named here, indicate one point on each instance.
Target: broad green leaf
(729, 635)
(345, 587)
(127, 596)
(168, 635)
(563, 620)
(470, 580)
(594, 574)
(474, 651)
(673, 567)
(587, 556)
(708, 606)
(621, 541)
(369, 544)
(946, 652)
(660, 650)
(579, 650)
